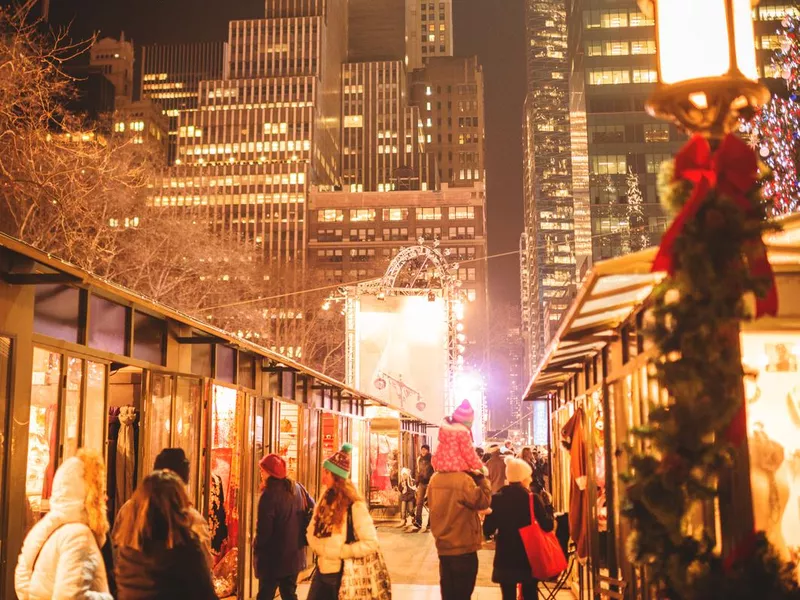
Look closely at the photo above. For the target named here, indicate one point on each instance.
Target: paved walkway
(414, 567)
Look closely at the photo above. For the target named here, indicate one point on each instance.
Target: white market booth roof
(613, 290)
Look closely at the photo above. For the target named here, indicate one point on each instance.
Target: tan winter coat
(454, 500)
(331, 550)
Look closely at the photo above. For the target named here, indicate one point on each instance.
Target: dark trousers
(457, 575)
(287, 586)
(530, 590)
(325, 586)
(422, 488)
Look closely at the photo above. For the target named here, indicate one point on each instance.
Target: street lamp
(707, 74)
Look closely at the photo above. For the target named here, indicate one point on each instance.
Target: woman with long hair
(510, 512)
(158, 554)
(328, 531)
(61, 553)
(280, 531)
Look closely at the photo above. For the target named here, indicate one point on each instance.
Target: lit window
(615, 48)
(429, 214)
(654, 161)
(643, 47)
(119, 127)
(461, 212)
(656, 132)
(614, 164)
(608, 77)
(330, 215)
(362, 214)
(395, 214)
(353, 121)
(640, 20)
(645, 76)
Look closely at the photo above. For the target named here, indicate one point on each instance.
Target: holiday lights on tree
(774, 133)
(640, 237)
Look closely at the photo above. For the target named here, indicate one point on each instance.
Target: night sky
(492, 29)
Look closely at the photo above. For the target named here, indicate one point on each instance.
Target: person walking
(175, 460)
(424, 474)
(497, 468)
(159, 554)
(455, 499)
(60, 556)
(327, 531)
(279, 554)
(510, 512)
(407, 497)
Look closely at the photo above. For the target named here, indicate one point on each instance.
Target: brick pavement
(414, 567)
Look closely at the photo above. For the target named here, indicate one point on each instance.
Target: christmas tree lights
(775, 131)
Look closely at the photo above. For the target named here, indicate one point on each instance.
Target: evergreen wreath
(686, 443)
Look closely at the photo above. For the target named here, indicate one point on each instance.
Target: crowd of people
(159, 547)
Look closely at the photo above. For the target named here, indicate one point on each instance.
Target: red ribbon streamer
(732, 169)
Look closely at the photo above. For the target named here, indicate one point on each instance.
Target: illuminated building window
(556, 75)
(353, 121)
(775, 13)
(395, 214)
(612, 164)
(119, 127)
(461, 212)
(429, 214)
(395, 234)
(609, 134)
(656, 132)
(608, 76)
(362, 235)
(330, 215)
(643, 47)
(638, 19)
(654, 161)
(645, 76)
(461, 233)
(362, 214)
(616, 48)
(769, 42)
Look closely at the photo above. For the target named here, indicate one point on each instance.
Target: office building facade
(171, 76)
(353, 236)
(449, 94)
(555, 219)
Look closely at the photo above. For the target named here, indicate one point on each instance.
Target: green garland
(695, 327)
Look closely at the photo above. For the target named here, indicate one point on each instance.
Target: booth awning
(611, 291)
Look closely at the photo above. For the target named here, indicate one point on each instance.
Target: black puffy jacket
(277, 548)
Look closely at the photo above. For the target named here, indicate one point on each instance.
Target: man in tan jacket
(454, 500)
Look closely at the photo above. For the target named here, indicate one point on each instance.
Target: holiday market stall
(601, 384)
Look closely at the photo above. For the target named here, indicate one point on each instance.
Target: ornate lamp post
(714, 257)
(707, 74)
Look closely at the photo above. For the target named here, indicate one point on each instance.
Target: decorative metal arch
(420, 260)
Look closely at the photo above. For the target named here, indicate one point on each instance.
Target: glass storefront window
(187, 424)
(288, 423)
(43, 429)
(384, 466)
(223, 515)
(159, 418)
(72, 407)
(95, 407)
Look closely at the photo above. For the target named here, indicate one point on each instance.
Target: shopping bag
(544, 552)
(365, 578)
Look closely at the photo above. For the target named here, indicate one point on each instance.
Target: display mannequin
(769, 478)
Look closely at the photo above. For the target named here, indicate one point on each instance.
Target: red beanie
(274, 465)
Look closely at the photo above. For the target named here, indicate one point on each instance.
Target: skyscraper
(431, 30)
(266, 130)
(555, 219)
(449, 94)
(171, 76)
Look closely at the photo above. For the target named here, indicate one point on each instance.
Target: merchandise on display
(772, 391)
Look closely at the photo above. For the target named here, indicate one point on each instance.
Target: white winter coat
(69, 564)
(331, 550)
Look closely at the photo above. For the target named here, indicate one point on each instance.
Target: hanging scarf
(126, 455)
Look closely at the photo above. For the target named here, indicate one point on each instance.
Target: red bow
(732, 169)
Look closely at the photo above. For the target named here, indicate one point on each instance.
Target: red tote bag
(544, 552)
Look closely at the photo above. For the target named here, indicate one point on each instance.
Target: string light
(774, 133)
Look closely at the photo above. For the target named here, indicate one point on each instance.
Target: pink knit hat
(464, 414)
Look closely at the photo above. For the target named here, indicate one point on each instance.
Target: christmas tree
(640, 237)
(775, 131)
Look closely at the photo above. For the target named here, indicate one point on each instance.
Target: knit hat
(274, 466)
(339, 463)
(517, 470)
(464, 414)
(173, 459)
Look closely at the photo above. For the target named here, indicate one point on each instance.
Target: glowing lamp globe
(707, 73)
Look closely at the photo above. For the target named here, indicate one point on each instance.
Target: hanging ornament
(764, 151)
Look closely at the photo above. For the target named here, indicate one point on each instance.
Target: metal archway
(420, 261)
